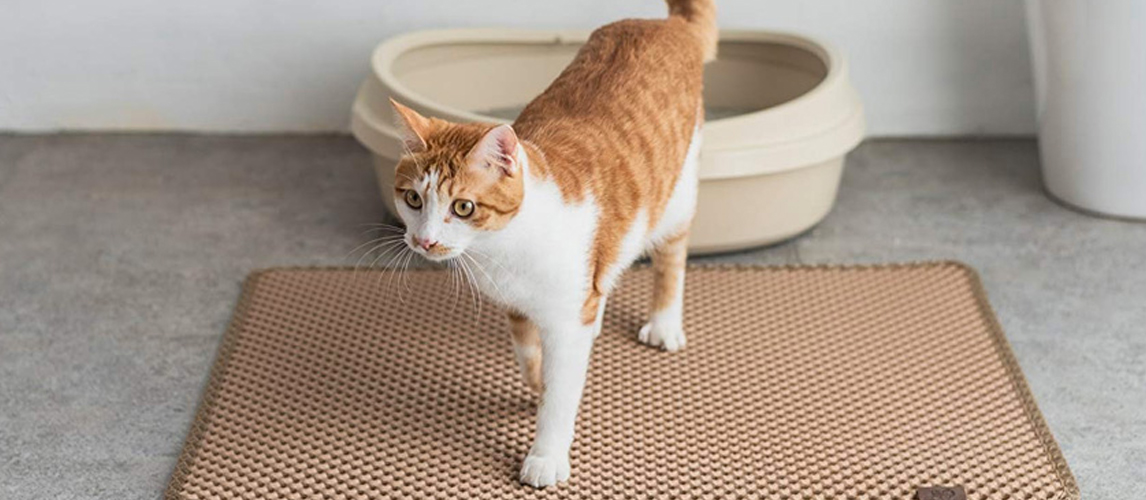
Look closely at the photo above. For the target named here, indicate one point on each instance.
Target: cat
(597, 171)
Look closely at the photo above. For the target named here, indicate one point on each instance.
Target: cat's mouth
(437, 253)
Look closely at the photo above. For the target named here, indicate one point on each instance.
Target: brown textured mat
(797, 382)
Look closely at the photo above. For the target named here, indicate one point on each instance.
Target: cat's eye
(413, 199)
(463, 208)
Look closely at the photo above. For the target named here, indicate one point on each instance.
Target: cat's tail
(701, 16)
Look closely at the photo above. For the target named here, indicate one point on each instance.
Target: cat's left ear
(497, 149)
(414, 126)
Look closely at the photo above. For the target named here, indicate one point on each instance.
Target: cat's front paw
(666, 335)
(540, 471)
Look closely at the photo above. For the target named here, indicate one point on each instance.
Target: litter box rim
(823, 123)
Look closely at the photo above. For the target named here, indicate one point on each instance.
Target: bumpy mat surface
(797, 382)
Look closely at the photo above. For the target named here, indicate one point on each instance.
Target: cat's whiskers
(403, 282)
(461, 282)
(378, 242)
(396, 231)
(383, 248)
(489, 259)
(455, 283)
(399, 232)
(390, 269)
(490, 280)
(383, 243)
(471, 281)
(382, 224)
(500, 295)
(379, 226)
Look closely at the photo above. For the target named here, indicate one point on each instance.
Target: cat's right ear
(414, 126)
(498, 149)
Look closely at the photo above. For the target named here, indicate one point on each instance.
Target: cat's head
(455, 183)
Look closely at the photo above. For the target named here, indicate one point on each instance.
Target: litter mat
(883, 382)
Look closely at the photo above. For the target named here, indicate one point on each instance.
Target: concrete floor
(121, 257)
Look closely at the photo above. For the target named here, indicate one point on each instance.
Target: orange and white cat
(598, 170)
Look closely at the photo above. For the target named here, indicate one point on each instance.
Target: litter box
(781, 115)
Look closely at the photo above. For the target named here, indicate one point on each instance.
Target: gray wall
(924, 67)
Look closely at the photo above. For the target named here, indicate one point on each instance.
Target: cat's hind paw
(541, 471)
(666, 335)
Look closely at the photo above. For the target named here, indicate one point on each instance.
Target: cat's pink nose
(426, 243)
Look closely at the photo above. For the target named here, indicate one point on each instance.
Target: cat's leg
(527, 349)
(566, 353)
(665, 328)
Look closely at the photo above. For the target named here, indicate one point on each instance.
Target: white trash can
(1090, 79)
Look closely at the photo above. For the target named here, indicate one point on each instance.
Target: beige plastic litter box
(781, 115)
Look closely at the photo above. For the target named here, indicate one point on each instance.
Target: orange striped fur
(597, 169)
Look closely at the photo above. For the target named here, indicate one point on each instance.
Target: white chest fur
(539, 263)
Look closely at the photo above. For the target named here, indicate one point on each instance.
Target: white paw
(541, 471)
(666, 335)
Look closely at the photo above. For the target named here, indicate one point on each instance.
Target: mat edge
(219, 366)
(1022, 387)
